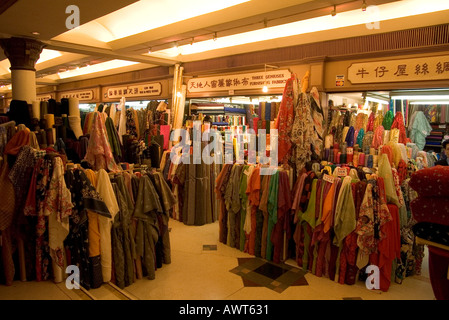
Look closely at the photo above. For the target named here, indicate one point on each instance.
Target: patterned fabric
(58, 207)
(431, 182)
(284, 121)
(99, 154)
(431, 209)
(303, 132)
(432, 232)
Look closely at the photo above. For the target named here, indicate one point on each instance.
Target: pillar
(22, 53)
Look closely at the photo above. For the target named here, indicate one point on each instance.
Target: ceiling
(124, 30)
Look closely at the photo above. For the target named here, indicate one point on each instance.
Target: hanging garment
(145, 211)
(272, 207)
(284, 121)
(104, 188)
(58, 208)
(420, 129)
(99, 154)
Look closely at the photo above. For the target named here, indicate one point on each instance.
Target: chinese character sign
(272, 79)
(430, 68)
(148, 89)
(80, 95)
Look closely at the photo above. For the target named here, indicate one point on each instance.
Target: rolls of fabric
(355, 159)
(394, 135)
(327, 154)
(370, 161)
(328, 141)
(75, 125)
(375, 160)
(338, 158)
(386, 137)
(361, 159)
(49, 136)
(50, 118)
(74, 109)
(36, 110)
(349, 154)
(43, 109)
(331, 155)
(344, 134)
(268, 111)
(343, 158)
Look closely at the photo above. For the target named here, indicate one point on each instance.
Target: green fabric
(309, 217)
(345, 218)
(388, 120)
(320, 191)
(113, 137)
(272, 211)
(244, 201)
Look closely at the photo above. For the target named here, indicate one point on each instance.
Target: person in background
(444, 161)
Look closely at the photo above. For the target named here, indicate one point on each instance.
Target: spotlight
(149, 50)
(215, 36)
(265, 89)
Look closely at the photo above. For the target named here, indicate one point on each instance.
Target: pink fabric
(165, 131)
(99, 154)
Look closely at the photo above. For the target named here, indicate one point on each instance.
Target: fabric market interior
(264, 150)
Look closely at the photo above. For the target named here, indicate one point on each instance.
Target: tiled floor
(199, 273)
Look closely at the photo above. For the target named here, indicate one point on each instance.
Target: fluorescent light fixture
(103, 66)
(147, 15)
(429, 98)
(389, 11)
(47, 54)
(377, 100)
(429, 102)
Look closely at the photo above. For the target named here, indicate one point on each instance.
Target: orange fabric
(20, 139)
(326, 216)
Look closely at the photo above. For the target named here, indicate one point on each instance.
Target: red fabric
(398, 123)
(428, 209)
(431, 182)
(284, 121)
(389, 248)
(438, 272)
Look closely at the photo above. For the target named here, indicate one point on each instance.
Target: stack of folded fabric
(431, 211)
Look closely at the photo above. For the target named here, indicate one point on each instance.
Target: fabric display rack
(84, 190)
(341, 199)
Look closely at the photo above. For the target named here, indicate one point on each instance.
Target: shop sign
(272, 79)
(418, 69)
(340, 81)
(147, 89)
(85, 95)
(44, 97)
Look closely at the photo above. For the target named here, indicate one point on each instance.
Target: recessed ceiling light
(35, 33)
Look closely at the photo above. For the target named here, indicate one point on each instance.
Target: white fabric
(75, 125)
(122, 123)
(104, 188)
